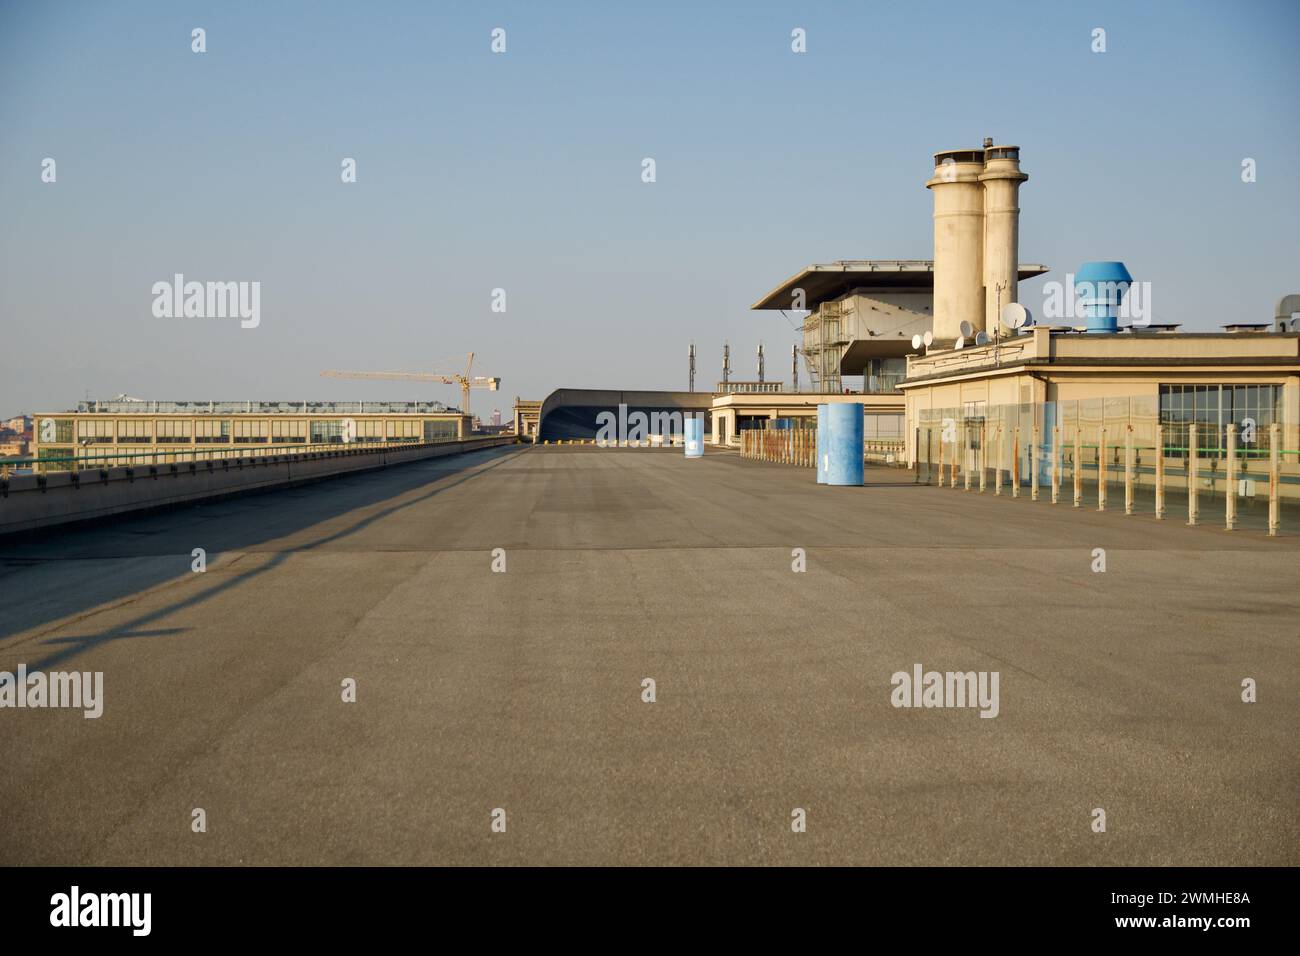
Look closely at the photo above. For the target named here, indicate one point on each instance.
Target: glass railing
(1116, 453)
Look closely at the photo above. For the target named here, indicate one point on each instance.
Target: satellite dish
(1016, 316)
(981, 337)
(928, 339)
(916, 341)
(961, 343)
(966, 330)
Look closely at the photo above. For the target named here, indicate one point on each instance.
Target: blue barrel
(844, 448)
(694, 436)
(821, 443)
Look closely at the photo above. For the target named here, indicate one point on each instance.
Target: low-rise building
(137, 431)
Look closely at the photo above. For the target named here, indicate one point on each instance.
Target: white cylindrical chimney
(1001, 178)
(958, 241)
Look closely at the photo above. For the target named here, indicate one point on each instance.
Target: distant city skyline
(522, 171)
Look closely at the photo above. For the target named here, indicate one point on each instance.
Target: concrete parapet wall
(31, 502)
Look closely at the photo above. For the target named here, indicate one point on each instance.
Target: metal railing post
(1056, 463)
(1160, 472)
(1274, 477)
(1101, 468)
(1128, 470)
(1078, 476)
(952, 468)
(1015, 464)
(1033, 463)
(997, 465)
(984, 455)
(965, 458)
(1230, 499)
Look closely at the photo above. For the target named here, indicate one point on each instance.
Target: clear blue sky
(522, 171)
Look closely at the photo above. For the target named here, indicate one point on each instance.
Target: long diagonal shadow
(133, 627)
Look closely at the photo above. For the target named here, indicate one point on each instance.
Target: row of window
(1252, 408)
(168, 431)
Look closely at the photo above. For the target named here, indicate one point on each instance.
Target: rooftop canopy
(822, 283)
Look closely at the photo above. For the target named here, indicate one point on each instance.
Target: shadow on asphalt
(233, 524)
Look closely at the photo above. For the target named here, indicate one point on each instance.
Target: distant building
(201, 430)
(526, 415)
(496, 416)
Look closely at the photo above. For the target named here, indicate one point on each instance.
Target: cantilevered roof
(830, 280)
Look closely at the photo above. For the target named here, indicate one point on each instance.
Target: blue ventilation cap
(1101, 287)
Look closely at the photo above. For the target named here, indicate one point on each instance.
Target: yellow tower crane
(466, 381)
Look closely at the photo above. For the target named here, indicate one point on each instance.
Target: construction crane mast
(466, 381)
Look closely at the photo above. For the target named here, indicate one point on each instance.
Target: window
(94, 432)
(63, 430)
(174, 431)
(882, 375)
(403, 430)
(369, 430)
(439, 430)
(890, 426)
(247, 433)
(212, 432)
(1214, 408)
(288, 432)
(327, 432)
(134, 432)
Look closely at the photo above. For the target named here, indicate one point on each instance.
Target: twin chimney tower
(976, 236)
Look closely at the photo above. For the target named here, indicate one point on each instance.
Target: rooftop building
(126, 430)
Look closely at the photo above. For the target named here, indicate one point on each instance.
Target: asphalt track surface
(523, 690)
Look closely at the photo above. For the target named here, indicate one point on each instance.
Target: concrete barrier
(31, 502)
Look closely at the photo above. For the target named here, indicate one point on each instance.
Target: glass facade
(172, 431)
(135, 431)
(370, 430)
(1214, 408)
(439, 430)
(882, 375)
(327, 431)
(403, 431)
(288, 432)
(212, 432)
(153, 440)
(94, 432)
(250, 432)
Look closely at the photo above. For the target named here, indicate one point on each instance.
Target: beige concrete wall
(729, 408)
